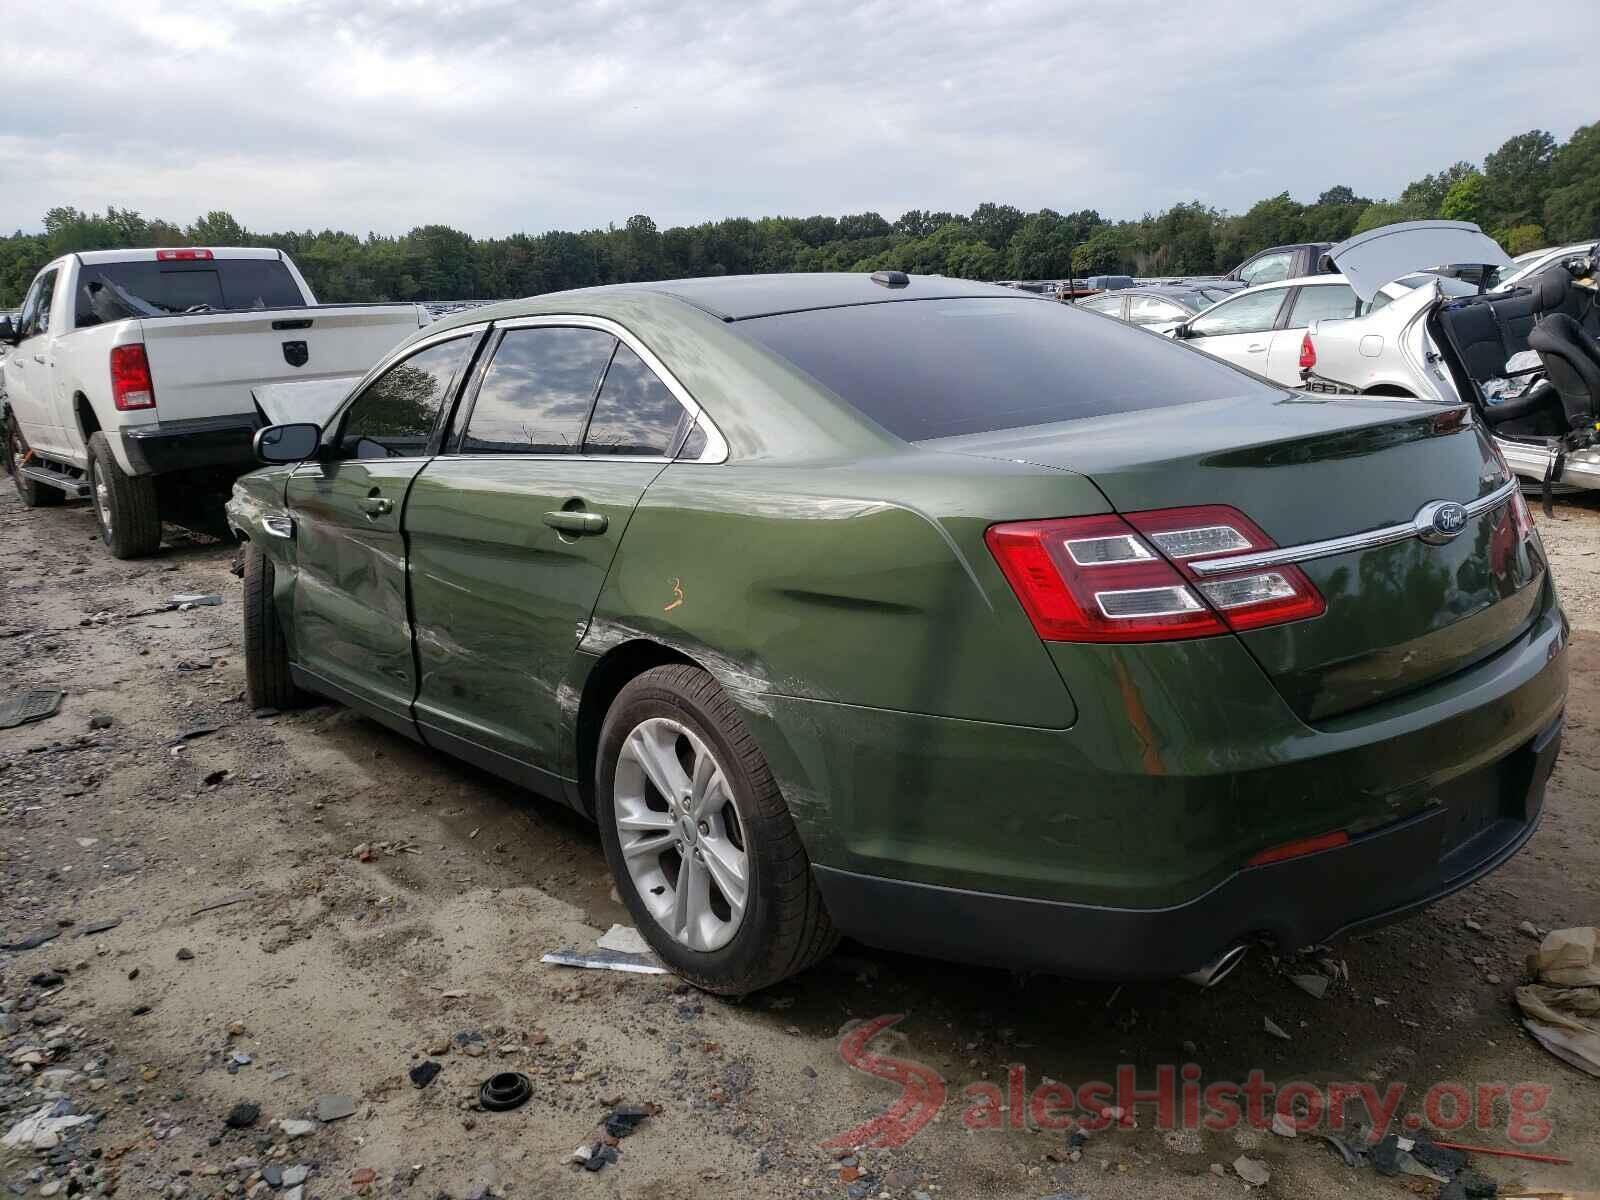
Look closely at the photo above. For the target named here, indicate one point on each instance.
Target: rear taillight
(1308, 353)
(185, 255)
(1521, 517)
(1131, 579)
(130, 378)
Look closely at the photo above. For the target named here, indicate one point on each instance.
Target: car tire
(783, 927)
(34, 495)
(267, 683)
(125, 506)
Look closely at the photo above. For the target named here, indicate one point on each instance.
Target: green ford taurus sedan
(926, 612)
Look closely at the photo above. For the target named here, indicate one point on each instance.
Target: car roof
(148, 253)
(1297, 281)
(740, 297)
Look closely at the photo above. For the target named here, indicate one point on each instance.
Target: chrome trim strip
(1370, 540)
(282, 527)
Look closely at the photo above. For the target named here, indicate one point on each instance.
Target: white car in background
(1261, 328)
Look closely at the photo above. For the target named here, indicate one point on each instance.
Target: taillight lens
(1130, 579)
(185, 255)
(1521, 517)
(1308, 353)
(130, 378)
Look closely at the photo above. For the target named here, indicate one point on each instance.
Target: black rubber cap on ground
(507, 1090)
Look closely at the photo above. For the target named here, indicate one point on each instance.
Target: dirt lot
(335, 977)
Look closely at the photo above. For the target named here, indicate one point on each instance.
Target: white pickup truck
(128, 375)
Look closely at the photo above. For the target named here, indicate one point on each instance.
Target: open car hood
(1379, 256)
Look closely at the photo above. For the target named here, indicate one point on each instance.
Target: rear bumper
(193, 444)
(1378, 877)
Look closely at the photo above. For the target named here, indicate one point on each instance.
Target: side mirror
(1180, 330)
(8, 331)
(288, 443)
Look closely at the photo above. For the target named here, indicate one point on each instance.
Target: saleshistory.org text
(1173, 1096)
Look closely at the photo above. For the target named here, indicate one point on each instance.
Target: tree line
(1529, 193)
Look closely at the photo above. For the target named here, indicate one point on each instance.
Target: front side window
(536, 395)
(36, 309)
(636, 413)
(1269, 268)
(1110, 305)
(1244, 314)
(1323, 303)
(394, 417)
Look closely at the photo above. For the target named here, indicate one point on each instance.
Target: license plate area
(1485, 807)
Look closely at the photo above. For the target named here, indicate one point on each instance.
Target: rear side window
(536, 395)
(940, 368)
(395, 415)
(636, 413)
(116, 291)
(1323, 303)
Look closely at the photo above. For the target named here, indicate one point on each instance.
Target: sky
(498, 116)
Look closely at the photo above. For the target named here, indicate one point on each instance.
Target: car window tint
(1103, 304)
(1243, 314)
(537, 392)
(939, 368)
(1151, 310)
(636, 413)
(1323, 303)
(1269, 268)
(394, 417)
(114, 291)
(36, 310)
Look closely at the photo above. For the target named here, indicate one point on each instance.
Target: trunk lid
(1379, 256)
(206, 365)
(1309, 470)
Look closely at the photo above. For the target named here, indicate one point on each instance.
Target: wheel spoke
(727, 867)
(657, 759)
(644, 821)
(710, 789)
(638, 848)
(685, 910)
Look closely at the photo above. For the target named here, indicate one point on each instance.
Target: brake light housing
(1130, 578)
(1308, 352)
(187, 254)
(131, 385)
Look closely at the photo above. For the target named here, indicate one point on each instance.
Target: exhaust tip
(1219, 968)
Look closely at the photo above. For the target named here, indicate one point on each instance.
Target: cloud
(496, 116)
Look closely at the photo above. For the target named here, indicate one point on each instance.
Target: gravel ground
(257, 961)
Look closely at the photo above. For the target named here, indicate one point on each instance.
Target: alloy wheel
(680, 834)
(102, 495)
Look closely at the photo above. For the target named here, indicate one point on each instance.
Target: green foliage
(1465, 199)
(1530, 190)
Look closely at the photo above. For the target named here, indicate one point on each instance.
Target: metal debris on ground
(35, 704)
(1274, 1028)
(624, 938)
(604, 960)
(198, 600)
(1312, 985)
(1562, 1009)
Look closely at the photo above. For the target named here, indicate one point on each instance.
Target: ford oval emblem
(1440, 521)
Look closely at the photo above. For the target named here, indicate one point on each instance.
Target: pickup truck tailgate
(205, 365)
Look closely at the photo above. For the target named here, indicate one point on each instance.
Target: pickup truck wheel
(34, 495)
(266, 654)
(125, 505)
(703, 848)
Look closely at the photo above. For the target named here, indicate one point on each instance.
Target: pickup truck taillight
(130, 378)
(1130, 579)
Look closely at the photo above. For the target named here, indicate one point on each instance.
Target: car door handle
(377, 506)
(1256, 349)
(576, 522)
(39, 358)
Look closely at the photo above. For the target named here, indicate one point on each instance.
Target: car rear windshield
(940, 368)
(116, 291)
